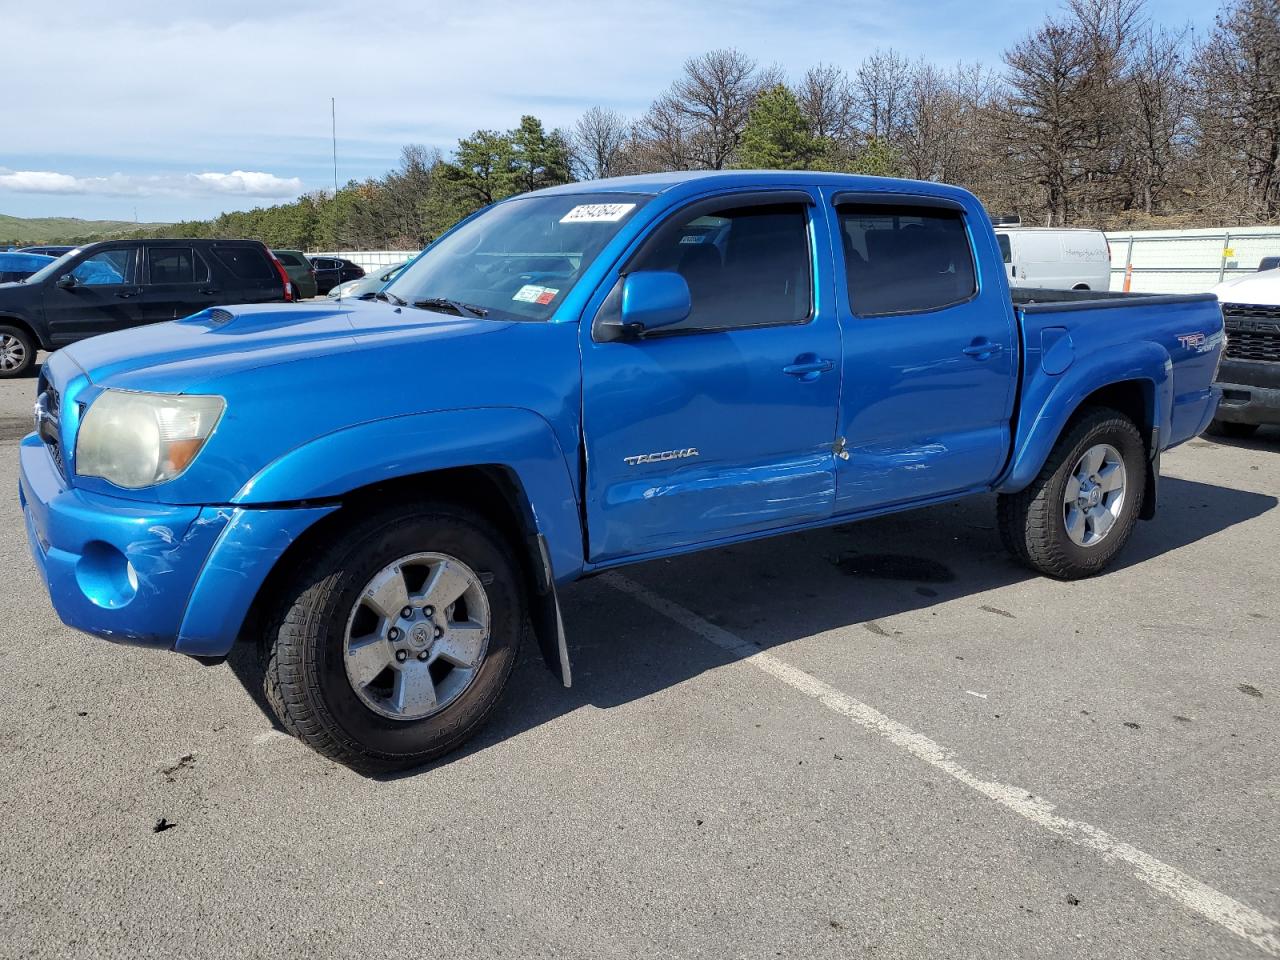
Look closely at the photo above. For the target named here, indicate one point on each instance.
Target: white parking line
(1198, 897)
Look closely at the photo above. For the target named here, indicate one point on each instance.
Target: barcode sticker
(598, 213)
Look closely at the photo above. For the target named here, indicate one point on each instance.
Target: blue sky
(185, 110)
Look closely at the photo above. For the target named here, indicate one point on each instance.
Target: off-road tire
(1237, 431)
(1031, 521)
(305, 679)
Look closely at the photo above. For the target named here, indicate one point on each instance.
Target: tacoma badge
(664, 455)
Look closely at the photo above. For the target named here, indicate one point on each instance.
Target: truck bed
(1074, 340)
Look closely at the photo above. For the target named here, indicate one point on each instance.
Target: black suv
(117, 284)
(331, 271)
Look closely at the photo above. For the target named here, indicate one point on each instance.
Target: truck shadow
(771, 592)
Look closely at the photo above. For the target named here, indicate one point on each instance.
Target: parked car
(301, 273)
(572, 380)
(1055, 259)
(55, 250)
(19, 266)
(331, 271)
(1268, 263)
(1250, 373)
(369, 284)
(117, 284)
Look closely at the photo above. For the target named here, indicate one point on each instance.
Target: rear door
(244, 273)
(177, 283)
(723, 424)
(930, 353)
(106, 294)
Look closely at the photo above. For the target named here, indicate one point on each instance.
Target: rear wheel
(17, 351)
(1240, 431)
(394, 642)
(1073, 519)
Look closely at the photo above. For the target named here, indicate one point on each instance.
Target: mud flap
(1152, 490)
(544, 611)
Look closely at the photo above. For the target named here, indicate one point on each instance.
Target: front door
(724, 424)
(930, 359)
(103, 295)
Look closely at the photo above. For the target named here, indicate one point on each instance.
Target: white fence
(1156, 261)
(1187, 261)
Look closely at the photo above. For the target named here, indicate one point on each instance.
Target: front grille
(1253, 332)
(48, 426)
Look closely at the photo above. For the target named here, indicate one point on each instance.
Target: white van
(1055, 259)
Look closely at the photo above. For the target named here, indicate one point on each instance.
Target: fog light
(106, 576)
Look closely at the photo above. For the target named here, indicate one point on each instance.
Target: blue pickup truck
(385, 494)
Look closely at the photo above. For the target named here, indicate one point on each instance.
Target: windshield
(520, 259)
(49, 269)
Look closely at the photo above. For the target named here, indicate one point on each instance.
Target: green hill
(19, 231)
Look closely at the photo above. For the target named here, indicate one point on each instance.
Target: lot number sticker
(597, 213)
(532, 293)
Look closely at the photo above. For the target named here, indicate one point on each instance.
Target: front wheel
(1073, 519)
(394, 641)
(17, 352)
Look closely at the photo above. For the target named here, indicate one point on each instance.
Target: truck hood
(1262, 288)
(292, 373)
(183, 355)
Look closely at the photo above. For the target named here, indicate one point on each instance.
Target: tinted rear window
(175, 265)
(289, 259)
(245, 263)
(905, 259)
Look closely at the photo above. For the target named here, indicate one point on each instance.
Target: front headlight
(140, 439)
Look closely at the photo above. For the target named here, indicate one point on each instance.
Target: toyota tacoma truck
(386, 494)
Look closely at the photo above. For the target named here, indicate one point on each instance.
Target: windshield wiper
(388, 297)
(457, 306)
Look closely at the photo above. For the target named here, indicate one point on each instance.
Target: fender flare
(1053, 400)
(17, 319)
(514, 439)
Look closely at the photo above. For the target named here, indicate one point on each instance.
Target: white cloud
(244, 183)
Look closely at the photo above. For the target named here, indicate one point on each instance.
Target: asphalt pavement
(879, 740)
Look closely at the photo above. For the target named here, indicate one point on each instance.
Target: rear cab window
(902, 259)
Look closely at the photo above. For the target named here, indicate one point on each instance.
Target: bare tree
(1237, 105)
(942, 135)
(706, 109)
(827, 100)
(1156, 122)
(598, 141)
(881, 84)
(1045, 131)
(660, 140)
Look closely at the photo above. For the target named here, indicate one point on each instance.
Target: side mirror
(653, 299)
(67, 281)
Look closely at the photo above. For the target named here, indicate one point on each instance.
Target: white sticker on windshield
(532, 293)
(598, 213)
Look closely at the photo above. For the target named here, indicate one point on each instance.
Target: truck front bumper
(179, 577)
(1250, 391)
